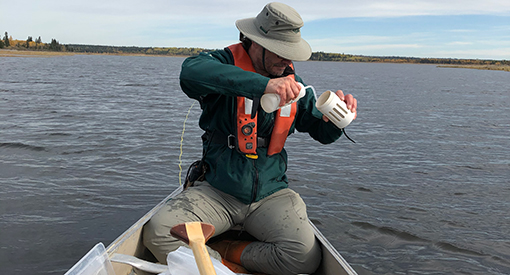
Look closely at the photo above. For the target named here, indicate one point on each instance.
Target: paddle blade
(184, 231)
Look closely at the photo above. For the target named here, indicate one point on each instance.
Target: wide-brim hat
(277, 29)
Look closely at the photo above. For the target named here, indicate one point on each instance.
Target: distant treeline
(38, 45)
(8, 42)
(172, 51)
(30, 44)
(316, 56)
(321, 56)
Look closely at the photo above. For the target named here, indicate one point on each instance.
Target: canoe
(128, 256)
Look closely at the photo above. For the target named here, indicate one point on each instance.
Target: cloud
(322, 9)
(381, 49)
(459, 43)
(494, 53)
(459, 31)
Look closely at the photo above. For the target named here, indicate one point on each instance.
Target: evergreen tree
(6, 40)
(55, 46)
(38, 41)
(29, 39)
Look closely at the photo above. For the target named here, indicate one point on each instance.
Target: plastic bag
(182, 262)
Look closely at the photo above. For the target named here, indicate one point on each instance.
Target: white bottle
(270, 102)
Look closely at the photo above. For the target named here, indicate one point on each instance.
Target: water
(88, 144)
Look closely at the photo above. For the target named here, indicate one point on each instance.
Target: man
(245, 182)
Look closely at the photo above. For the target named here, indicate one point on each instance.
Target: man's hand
(285, 87)
(349, 100)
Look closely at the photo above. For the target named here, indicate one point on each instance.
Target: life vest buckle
(231, 141)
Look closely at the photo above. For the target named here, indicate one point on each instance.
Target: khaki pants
(287, 244)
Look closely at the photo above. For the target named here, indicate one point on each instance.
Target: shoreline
(32, 53)
(505, 68)
(29, 53)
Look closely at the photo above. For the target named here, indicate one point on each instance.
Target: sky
(478, 29)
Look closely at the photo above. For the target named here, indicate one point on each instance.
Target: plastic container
(270, 102)
(182, 262)
(330, 105)
(95, 262)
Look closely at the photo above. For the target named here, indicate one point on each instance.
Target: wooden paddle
(195, 234)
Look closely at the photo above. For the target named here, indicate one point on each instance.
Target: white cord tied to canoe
(182, 139)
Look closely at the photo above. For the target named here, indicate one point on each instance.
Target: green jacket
(213, 80)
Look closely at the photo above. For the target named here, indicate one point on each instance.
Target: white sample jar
(330, 105)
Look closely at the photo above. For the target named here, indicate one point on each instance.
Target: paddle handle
(197, 241)
(204, 263)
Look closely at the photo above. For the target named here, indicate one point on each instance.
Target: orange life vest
(246, 133)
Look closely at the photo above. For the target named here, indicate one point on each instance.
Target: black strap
(345, 134)
(230, 140)
(255, 107)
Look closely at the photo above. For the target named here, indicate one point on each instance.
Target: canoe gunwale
(332, 251)
(114, 246)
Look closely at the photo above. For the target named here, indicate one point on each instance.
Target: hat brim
(300, 51)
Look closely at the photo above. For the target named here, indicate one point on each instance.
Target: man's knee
(157, 238)
(306, 260)
(284, 258)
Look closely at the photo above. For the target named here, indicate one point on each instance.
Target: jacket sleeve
(309, 120)
(214, 73)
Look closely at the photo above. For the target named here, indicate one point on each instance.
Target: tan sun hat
(277, 29)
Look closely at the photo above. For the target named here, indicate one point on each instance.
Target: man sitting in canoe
(245, 182)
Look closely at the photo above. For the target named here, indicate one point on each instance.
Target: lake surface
(88, 144)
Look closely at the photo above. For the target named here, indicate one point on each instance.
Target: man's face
(275, 65)
(272, 65)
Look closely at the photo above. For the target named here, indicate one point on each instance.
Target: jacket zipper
(256, 183)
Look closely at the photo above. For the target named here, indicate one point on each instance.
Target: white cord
(182, 139)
